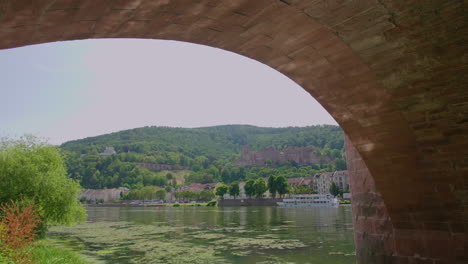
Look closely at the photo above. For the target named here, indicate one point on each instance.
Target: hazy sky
(77, 89)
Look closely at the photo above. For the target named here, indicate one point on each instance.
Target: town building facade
(301, 182)
(324, 180)
(105, 195)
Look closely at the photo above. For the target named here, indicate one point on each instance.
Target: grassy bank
(48, 251)
(210, 203)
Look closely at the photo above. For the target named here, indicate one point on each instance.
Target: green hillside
(210, 153)
(213, 142)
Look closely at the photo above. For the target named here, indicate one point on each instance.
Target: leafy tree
(178, 195)
(260, 187)
(282, 185)
(272, 185)
(148, 193)
(334, 189)
(142, 193)
(33, 171)
(161, 194)
(340, 164)
(221, 190)
(249, 188)
(234, 189)
(206, 195)
(199, 177)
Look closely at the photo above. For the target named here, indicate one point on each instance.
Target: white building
(108, 151)
(323, 181)
(105, 195)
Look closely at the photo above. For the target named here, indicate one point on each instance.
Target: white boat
(309, 200)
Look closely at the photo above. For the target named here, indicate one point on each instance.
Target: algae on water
(155, 243)
(200, 235)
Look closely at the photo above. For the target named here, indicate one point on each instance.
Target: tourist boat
(309, 200)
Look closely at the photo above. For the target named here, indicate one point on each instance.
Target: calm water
(214, 235)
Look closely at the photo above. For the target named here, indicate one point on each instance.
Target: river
(321, 235)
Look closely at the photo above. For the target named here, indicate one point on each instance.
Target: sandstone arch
(391, 72)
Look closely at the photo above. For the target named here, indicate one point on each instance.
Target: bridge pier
(379, 240)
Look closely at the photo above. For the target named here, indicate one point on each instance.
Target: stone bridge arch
(391, 72)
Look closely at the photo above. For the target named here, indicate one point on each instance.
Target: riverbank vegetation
(47, 251)
(18, 238)
(18, 225)
(35, 193)
(210, 203)
(204, 195)
(32, 171)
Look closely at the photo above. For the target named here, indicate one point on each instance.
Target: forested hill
(217, 142)
(209, 154)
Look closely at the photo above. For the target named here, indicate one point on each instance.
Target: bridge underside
(393, 73)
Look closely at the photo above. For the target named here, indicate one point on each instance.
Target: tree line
(146, 193)
(256, 188)
(204, 195)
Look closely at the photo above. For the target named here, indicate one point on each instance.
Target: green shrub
(212, 203)
(34, 171)
(176, 205)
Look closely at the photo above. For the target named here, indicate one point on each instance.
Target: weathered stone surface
(393, 73)
(381, 239)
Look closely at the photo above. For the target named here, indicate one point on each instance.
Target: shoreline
(127, 205)
(220, 204)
